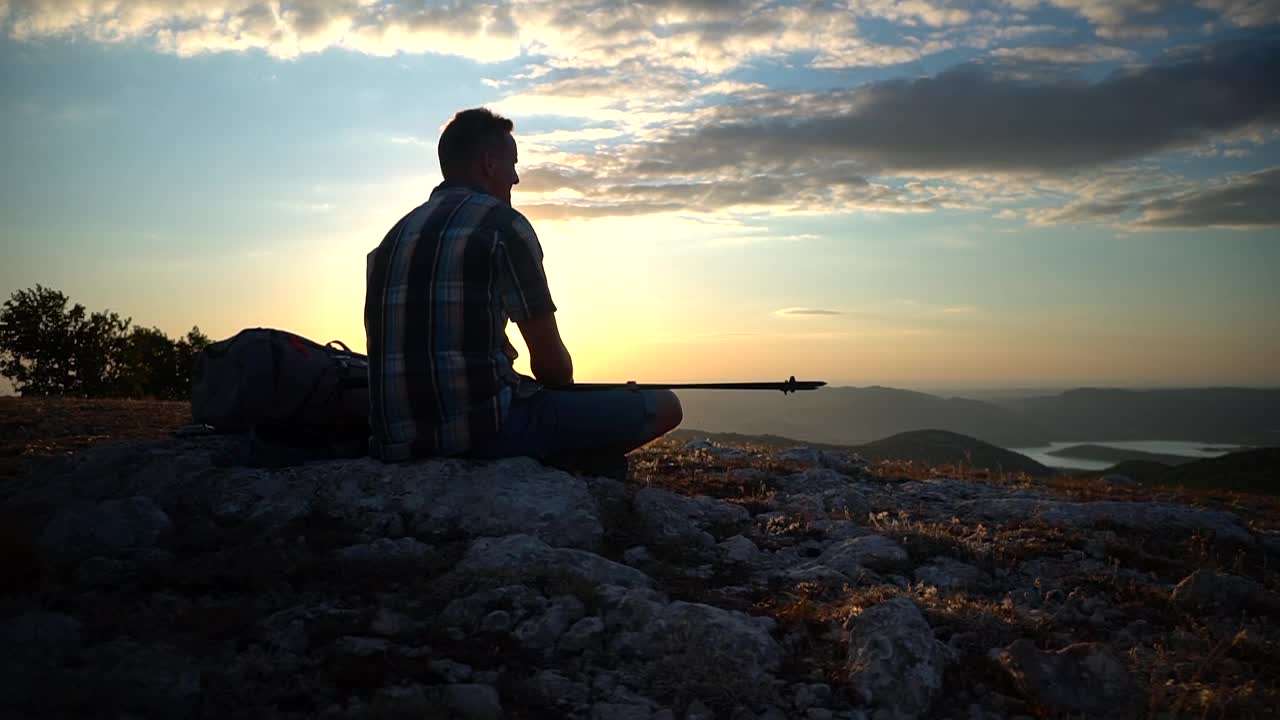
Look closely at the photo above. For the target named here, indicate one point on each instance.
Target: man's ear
(488, 162)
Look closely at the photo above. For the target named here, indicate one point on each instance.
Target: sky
(921, 194)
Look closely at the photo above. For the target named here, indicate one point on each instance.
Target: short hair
(466, 135)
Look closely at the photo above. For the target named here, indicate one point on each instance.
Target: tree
(47, 349)
(157, 367)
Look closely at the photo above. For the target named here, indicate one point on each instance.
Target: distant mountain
(850, 416)
(1228, 415)
(1146, 472)
(1249, 470)
(1106, 453)
(939, 447)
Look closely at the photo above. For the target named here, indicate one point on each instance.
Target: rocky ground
(151, 578)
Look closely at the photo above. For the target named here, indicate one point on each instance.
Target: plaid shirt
(439, 291)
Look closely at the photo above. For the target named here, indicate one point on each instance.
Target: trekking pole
(789, 386)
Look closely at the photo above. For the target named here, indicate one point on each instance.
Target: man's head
(476, 146)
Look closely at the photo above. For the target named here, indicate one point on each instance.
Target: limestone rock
(1146, 516)
(385, 554)
(1206, 591)
(1084, 678)
(948, 574)
(519, 558)
(671, 518)
(875, 552)
(515, 496)
(895, 664)
(694, 632)
(739, 549)
(34, 644)
(106, 527)
(473, 701)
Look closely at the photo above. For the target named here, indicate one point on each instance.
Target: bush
(48, 349)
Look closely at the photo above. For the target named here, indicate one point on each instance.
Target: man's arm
(548, 357)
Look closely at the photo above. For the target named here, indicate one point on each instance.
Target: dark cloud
(972, 118)
(1246, 201)
(1242, 202)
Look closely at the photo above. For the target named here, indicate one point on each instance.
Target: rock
(714, 450)
(384, 554)
(821, 458)
(356, 646)
(515, 496)
(948, 574)
(814, 481)
(543, 631)
(551, 688)
(106, 527)
(870, 551)
(895, 665)
(473, 701)
(697, 710)
(620, 711)
(811, 696)
(498, 621)
(1144, 516)
(677, 519)
(389, 623)
(703, 634)
(514, 602)
(739, 549)
(636, 556)
(586, 634)
(1118, 480)
(849, 503)
(34, 644)
(522, 558)
(1084, 678)
(450, 670)
(152, 680)
(1206, 591)
(403, 701)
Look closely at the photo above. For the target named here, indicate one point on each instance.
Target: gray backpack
(285, 390)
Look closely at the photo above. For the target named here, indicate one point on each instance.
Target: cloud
(1242, 202)
(805, 312)
(971, 118)
(1079, 55)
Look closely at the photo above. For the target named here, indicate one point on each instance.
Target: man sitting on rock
(439, 292)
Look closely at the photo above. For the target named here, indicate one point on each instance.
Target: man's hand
(548, 357)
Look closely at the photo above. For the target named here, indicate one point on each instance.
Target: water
(1165, 447)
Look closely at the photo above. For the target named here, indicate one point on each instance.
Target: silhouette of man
(440, 289)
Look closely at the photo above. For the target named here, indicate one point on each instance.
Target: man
(440, 290)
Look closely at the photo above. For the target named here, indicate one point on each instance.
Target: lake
(1165, 447)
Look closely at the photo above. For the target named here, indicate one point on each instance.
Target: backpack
(296, 399)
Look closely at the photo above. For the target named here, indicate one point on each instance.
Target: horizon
(994, 197)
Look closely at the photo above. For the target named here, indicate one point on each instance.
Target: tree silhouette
(47, 348)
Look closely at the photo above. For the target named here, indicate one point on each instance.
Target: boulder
(948, 574)
(473, 701)
(1081, 679)
(105, 527)
(736, 643)
(895, 665)
(1207, 592)
(1144, 516)
(874, 552)
(678, 519)
(521, 558)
